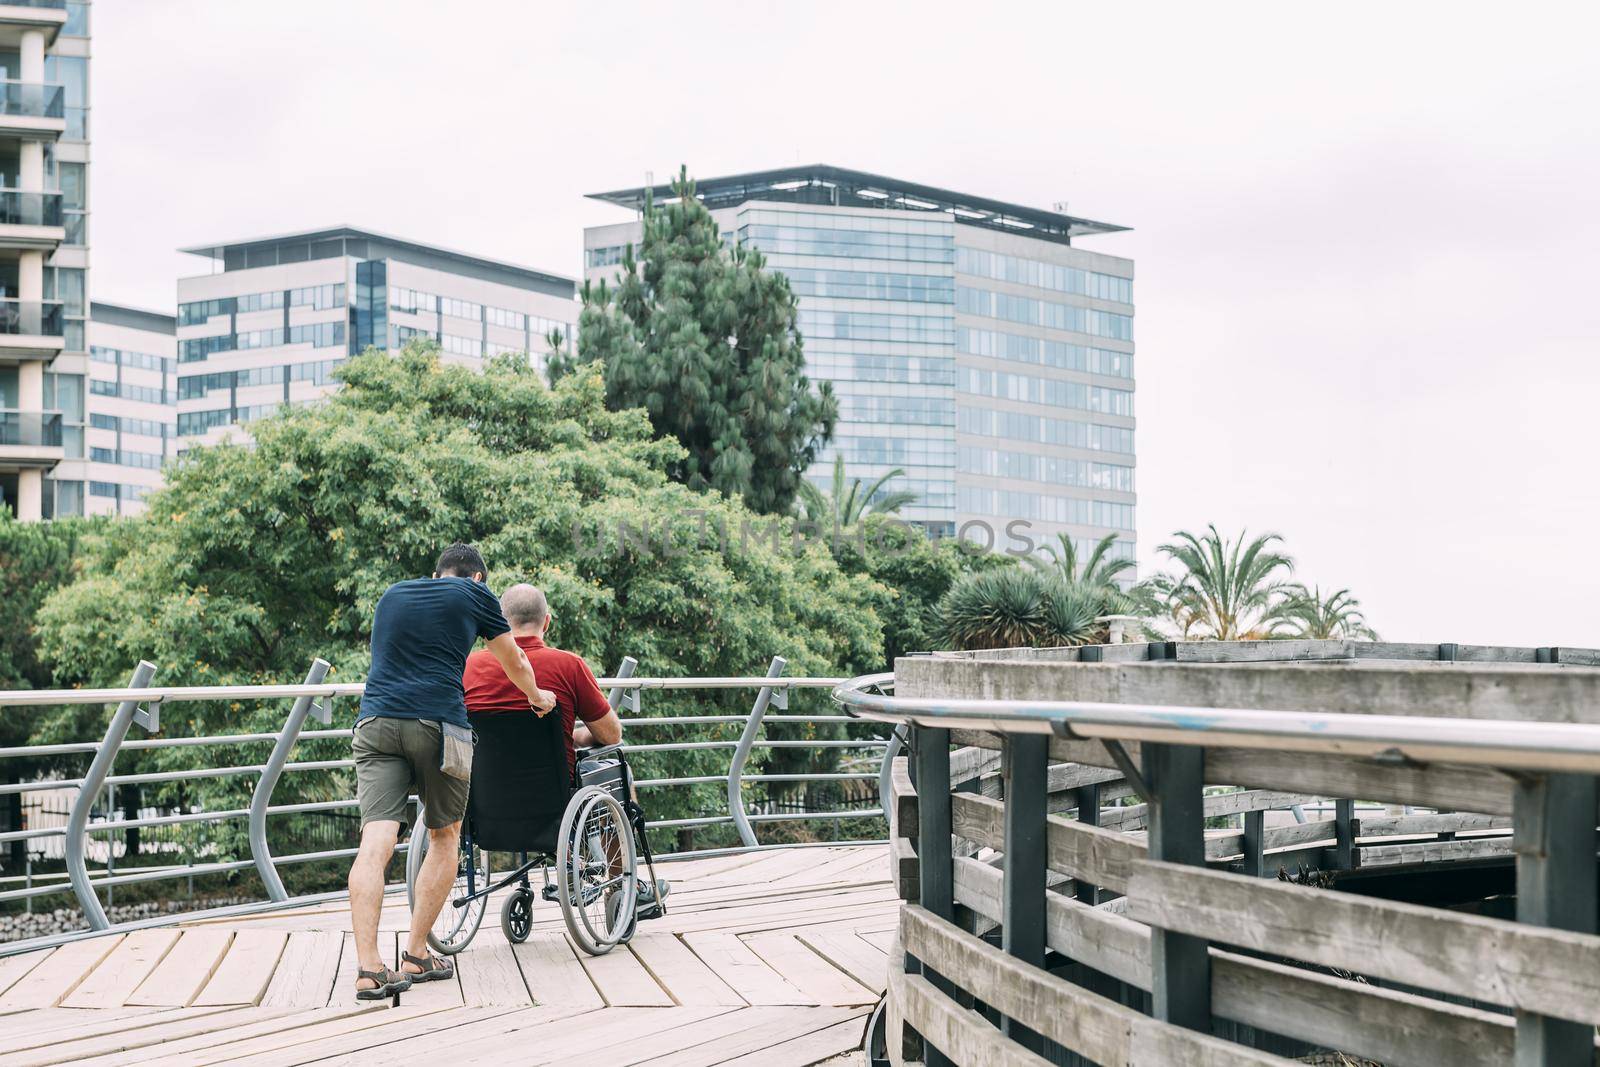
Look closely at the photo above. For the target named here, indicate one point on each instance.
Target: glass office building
(276, 316)
(971, 344)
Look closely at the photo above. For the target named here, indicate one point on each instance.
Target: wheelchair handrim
(577, 888)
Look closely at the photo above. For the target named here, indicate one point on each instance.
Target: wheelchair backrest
(520, 781)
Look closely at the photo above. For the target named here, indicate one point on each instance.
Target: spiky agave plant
(1002, 608)
(1070, 613)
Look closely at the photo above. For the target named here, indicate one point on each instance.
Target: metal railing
(30, 429)
(141, 704)
(1140, 933)
(23, 207)
(30, 318)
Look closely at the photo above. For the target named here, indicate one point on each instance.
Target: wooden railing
(1067, 901)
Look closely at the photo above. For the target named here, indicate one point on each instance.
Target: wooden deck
(772, 957)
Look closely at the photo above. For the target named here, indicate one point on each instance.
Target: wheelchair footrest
(550, 893)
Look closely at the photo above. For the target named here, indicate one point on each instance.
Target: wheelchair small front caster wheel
(516, 916)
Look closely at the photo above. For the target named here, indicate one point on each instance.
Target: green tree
(1227, 590)
(1337, 615)
(704, 339)
(843, 506)
(36, 558)
(254, 560)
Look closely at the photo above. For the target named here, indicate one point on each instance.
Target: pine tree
(704, 338)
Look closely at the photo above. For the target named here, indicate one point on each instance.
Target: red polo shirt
(565, 674)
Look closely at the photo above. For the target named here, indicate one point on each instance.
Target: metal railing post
(1088, 802)
(897, 744)
(618, 692)
(1180, 964)
(262, 797)
(1554, 835)
(741, 754)
(935, 859)
(93, 779)
(1022, 934)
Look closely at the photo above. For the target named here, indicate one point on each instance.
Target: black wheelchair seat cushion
(520, 781)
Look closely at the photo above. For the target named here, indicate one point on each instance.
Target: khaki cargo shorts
(395, 757)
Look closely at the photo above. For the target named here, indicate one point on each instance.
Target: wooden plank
(1470, 848)
(751, 1032)
(49, 1026)
(903, 807)
(458, 1044)
(343, 991)
(813, 1048)
(1388, 1026)
(55, 977)
(809, 972)
(117, 1044)
(553, 973)
(185, 970)
(680, 972)
(1135, 816)
(903, 868)
(867, 964)
(739, 967)
(322, 1033)
(439, 993)
(305, 975)
(963, 1036)
(490, 977)
(622, 980)
(1076, 849)
(244, 972)
(1094, 1026)
(12, 968)
(119, 974)
(1453, 691)
(268, 1021)
(1547, 971)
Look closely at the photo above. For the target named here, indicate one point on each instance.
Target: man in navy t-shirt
(421, 635)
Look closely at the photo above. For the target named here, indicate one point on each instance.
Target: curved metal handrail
(1543, 746)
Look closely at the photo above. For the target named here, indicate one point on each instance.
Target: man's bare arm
(515, 663)
(603, 731)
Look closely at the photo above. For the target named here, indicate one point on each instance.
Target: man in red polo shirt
(565, 674)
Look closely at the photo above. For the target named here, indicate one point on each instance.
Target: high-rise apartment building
(44, 258)
(132, 404)
(970, 342)
(276, 315)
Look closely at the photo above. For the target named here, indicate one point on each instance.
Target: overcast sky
(1365, 235)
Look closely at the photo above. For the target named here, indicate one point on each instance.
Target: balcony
(32, 110)
(30, 329)
(21, 16)
(30, 439)
(30, 219)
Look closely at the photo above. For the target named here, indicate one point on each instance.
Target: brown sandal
(390, 983)
(434, 969)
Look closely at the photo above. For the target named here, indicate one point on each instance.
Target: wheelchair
(586, 836)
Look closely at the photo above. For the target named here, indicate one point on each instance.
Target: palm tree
(1229, 590)
(1338, 615)
(1099, 571)
(846, 507)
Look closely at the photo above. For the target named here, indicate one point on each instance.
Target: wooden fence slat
(904, 806)
(1135, 816)
(1386, 1025)
(963, 1036)
(1070, 1015)
(1550, 972)
(1076, 849)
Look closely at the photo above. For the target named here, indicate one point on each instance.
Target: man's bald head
(525, 608)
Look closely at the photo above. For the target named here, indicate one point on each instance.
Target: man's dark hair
(460, 561)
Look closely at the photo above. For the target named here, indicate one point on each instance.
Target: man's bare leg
(438, 874)
(366, 892)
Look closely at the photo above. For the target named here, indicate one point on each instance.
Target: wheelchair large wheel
(596, 871)
(455, 927)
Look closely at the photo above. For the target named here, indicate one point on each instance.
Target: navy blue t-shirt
(421, 634)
